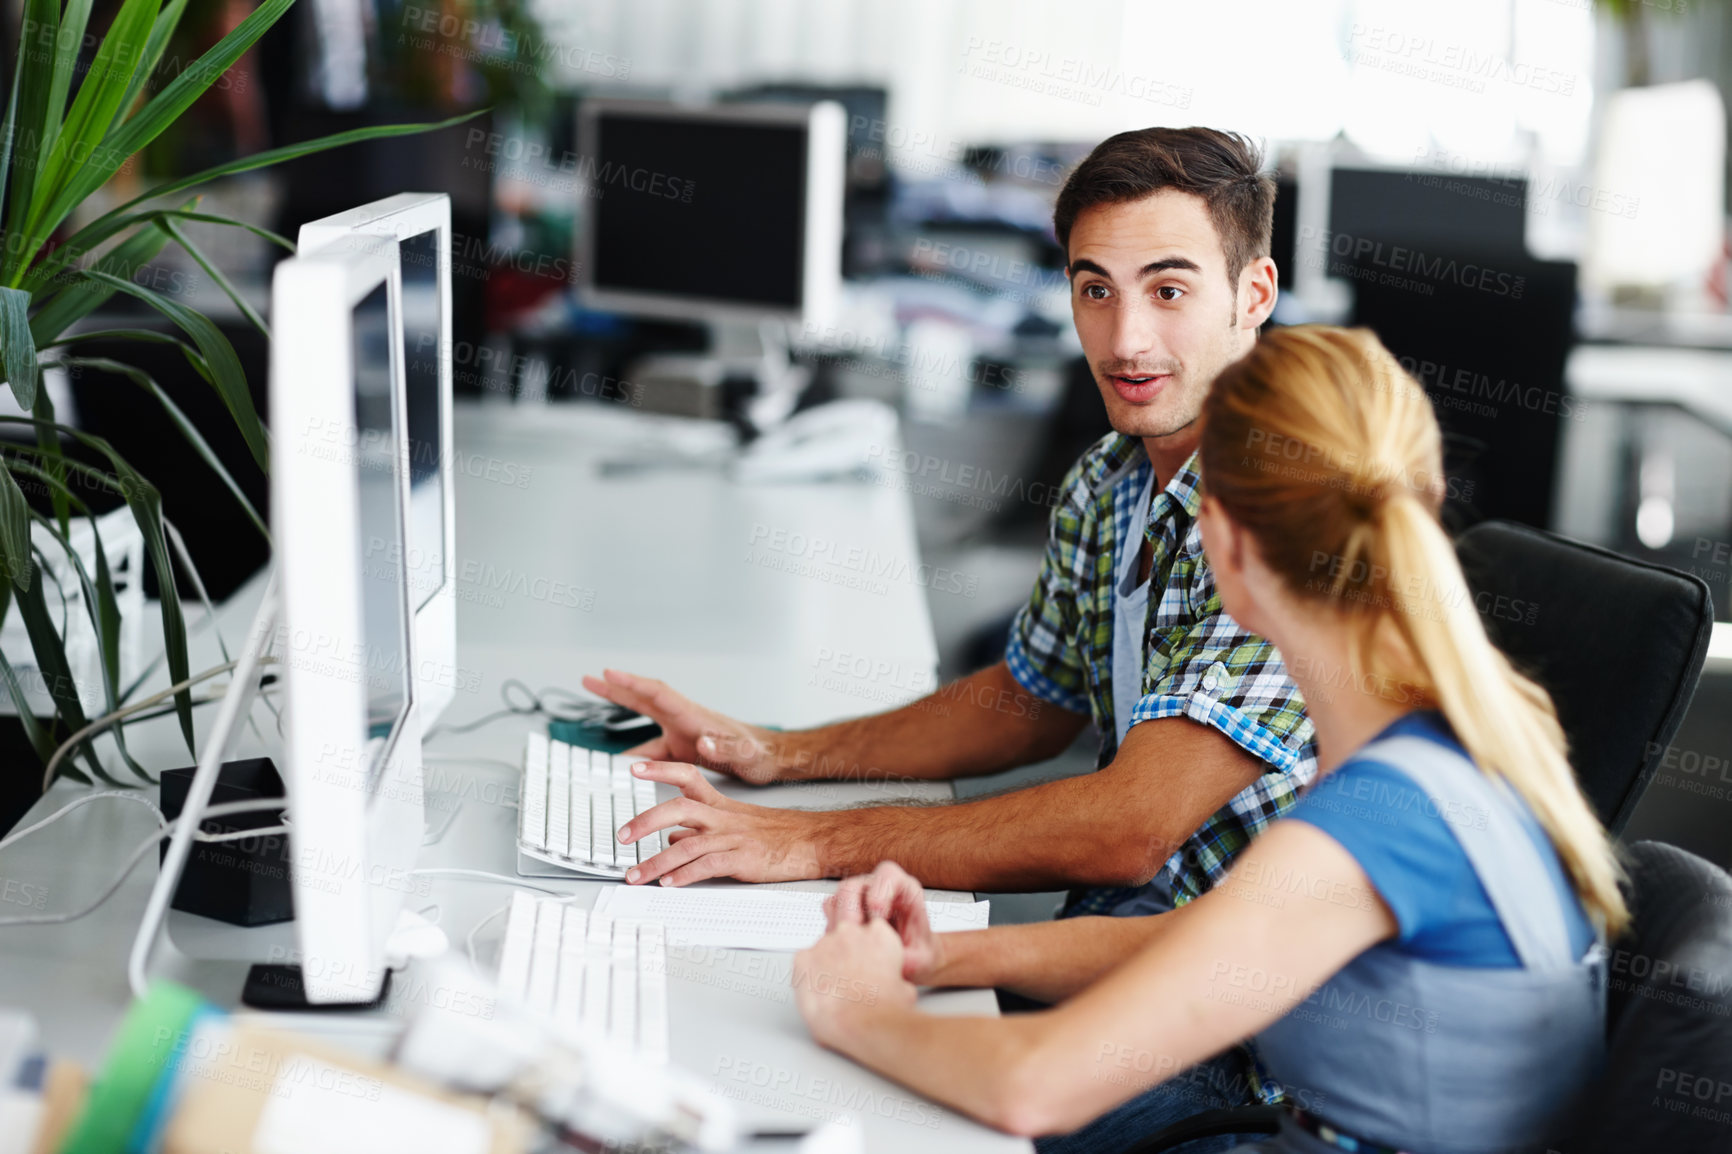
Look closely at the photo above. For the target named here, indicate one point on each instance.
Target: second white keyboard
(594, 975)
(572, 802)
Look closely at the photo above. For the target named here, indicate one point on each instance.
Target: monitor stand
(746, 374)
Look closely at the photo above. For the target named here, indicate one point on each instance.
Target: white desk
(670, 580)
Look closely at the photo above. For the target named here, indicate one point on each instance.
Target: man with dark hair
(1203, 737)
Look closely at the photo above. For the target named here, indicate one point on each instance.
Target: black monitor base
(279, 987)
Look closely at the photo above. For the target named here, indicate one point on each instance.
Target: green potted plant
(58, 146)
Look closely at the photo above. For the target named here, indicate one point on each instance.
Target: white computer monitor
(420, 225)
(730, 214)
(340, 512)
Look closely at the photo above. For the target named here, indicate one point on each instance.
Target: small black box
(244, 882)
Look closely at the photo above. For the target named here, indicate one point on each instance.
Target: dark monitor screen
(701, 208)
(384, 648)
(1435, 212)
(423, 346)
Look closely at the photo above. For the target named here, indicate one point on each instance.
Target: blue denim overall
(1407, 1054)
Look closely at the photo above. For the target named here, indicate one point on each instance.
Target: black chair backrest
(1618, 643)
(1667, 1084)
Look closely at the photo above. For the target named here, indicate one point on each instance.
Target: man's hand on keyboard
(888, 892)
(721, 838)
(690, 733)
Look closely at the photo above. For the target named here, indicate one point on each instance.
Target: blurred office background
(1527, 199)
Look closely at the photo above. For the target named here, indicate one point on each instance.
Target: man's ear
(1259, 287)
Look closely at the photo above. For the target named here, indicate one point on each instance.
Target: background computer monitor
(339, 514)
(726, 214)
(420, 225)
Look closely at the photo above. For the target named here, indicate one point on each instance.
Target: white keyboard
(596, 976)
(572, 803)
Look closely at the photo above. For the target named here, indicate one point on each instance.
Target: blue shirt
(1409, 851)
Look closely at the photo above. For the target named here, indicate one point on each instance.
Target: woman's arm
(1295, 909)
(1047, 960)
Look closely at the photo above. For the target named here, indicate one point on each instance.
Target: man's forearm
(983, 723)
(1078, 831)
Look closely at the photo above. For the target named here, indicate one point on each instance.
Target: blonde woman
(1416, 948)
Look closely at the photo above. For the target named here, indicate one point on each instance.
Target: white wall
(1497, 79)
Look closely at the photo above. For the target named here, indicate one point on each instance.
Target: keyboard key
(580, 803)
(559, 798)
(622, 1013)
(515, 950)
(652, 978)
(623, 855)
(602, 836)
(533, 816)
(568, 998)
(603, 829)
(544, 957)
(597, 958)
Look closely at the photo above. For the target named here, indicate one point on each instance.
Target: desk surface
(741, 597)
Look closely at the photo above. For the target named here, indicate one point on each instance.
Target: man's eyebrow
(1170, 263)
(1166, 264)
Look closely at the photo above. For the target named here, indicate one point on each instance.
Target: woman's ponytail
(1320, 445)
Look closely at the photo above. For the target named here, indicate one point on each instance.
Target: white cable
(469, 938)
(18, 834)
(104, 722)
(218, 744)
(460, 759)
(483, 875)
(137, 855)
(132, 860)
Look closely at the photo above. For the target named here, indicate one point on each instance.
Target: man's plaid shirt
(1198, 662)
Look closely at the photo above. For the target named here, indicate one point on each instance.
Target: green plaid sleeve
(1045, 649)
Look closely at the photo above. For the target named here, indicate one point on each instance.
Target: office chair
(1619, 644)
(1668, 1014)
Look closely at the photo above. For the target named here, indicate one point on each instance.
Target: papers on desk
(751, 918)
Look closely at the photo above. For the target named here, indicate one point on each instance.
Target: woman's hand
(854, 969)
(888, 892)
